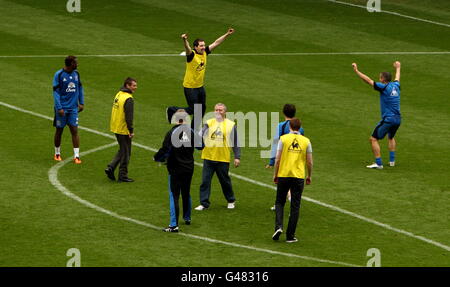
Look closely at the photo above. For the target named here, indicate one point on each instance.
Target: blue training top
(67, 90)
(389, 98)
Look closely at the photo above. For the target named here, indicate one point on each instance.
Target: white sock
(57, 150)
(76, 152)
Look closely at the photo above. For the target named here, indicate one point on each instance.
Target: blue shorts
(388, 125)
(70, 118)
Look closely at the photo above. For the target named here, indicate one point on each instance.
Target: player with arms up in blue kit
(390, 112)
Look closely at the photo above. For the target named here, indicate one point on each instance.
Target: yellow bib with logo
(118, 125)
(217, 141)
(293, 156)
(195, 71)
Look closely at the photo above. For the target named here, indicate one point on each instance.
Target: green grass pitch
(38, 223)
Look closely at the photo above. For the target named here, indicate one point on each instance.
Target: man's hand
(230, 31)
(397, 64)
(61, 112)
(184, 36)
(355, 67)
(131, 135)
(275, 179)
(308, 180)
(237, 162)
(80, 108)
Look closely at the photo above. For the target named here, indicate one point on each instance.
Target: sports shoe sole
(277, 234)
(170, 230)
(200, 209)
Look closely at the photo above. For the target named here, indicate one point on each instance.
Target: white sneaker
(200, 207)
(230, 205)
(293, 240)
(392, 163)
(272, 208)
(375, 166)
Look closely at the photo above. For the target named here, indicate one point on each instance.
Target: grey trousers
(221, 168)
(122, 157)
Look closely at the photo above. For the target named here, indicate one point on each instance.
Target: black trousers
(180, 184)
(122, 157)
(221, 168)
(193, 96)
(284, 185)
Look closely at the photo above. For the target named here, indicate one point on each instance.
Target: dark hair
(289, 110)
(69, 60)
(386, 76)
(128, 81)
(198, 40)
(295, 124)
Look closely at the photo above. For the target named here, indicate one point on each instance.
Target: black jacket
(178, 149)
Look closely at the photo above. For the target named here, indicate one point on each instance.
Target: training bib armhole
(190, 57)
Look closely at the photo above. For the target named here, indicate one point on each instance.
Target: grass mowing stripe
(393, 13)
(335, 208)
(53, 177)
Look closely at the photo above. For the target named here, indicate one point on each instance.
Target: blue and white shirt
(389, 98)
(67, 90)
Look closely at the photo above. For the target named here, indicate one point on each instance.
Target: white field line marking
(53, 177)
(332, 207)
(240, 54)
(393, 13)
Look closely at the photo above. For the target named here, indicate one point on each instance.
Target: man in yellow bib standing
(194, 76)
(122, 126)
(220, 136)
(293, 153)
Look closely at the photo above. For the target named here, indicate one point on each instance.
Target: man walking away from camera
(293, 153)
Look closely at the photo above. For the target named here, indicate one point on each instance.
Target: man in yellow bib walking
(122, 126)
(194, 76)
(220, 136)
(293, 152)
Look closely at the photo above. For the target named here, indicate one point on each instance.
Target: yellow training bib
(293, 156)
(118, 124)
(195, 71)
(217, 141)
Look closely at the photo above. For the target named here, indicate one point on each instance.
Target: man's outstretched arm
(397, 70)
(221, 39)
(364, 77)
(187, 48)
